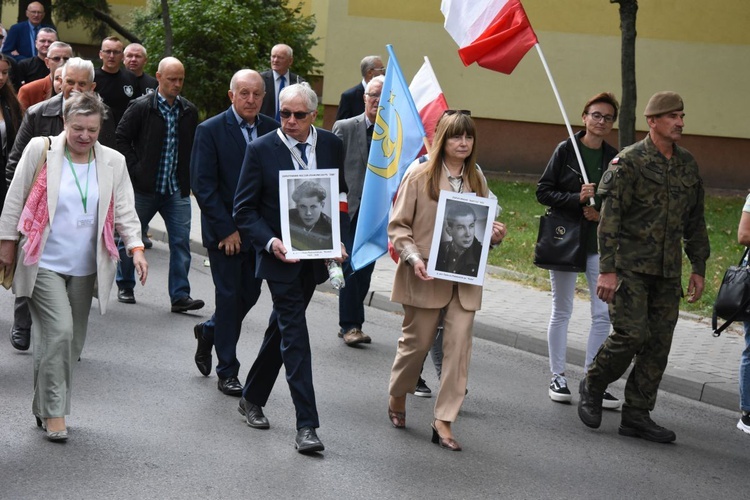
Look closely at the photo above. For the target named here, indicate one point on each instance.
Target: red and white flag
(495, 34)
(428, 98)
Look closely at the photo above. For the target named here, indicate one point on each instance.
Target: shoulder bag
(733, 299)
(561, 242)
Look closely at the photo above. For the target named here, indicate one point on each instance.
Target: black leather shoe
(643, 427)
(20, 338)
(307, 441)
(590, 406)
(203, 352)
(230, 386)
(126, 296)
(186, 304)
(253, 414)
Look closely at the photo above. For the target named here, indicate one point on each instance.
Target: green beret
(663, 102)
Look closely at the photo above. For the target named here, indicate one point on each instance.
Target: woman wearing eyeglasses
(561, 187)
(451, 166)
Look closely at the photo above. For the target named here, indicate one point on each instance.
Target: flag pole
(565, 117)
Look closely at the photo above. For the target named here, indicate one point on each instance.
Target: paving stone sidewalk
(701, 367)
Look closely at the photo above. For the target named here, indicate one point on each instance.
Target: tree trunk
(628, 10)
(167, 28)
(112, 23)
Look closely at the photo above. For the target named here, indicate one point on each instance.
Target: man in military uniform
(652, 201)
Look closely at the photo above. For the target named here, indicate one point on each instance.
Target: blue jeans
(175, 210)
(352, 296)
(745, 371)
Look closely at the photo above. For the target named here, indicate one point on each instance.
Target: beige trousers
(60, 308)
(418, 334)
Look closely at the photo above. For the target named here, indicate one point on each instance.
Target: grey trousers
(60, 306)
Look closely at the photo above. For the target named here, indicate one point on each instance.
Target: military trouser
(644, 315)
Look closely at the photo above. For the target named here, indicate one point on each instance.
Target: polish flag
(495, 34)
(428, 98)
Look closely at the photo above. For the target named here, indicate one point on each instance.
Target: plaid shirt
(166, 177)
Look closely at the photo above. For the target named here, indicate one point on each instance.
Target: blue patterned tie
(282, 84)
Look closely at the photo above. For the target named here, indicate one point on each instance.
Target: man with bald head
(277, 78)
(20, 42)
(156, 136)
(136, 58)
(218, 152)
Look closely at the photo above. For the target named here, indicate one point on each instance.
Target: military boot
(636, 424)
(590, 405)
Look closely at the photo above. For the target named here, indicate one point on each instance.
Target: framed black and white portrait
(461, 241)
(309, 213)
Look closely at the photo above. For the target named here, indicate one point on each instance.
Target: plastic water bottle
(336, 275)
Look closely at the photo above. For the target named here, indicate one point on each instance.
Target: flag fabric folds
(495, 34)
(428, 98)
(396, 141)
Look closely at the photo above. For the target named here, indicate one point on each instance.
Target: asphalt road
(145, 424)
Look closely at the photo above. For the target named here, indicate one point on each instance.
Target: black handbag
(733, 299)
(561, 242)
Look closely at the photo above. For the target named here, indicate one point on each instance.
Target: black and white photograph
(461, 241)
(310, 229)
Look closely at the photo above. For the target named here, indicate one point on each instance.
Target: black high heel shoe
(447, 443)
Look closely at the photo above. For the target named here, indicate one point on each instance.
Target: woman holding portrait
(426, 301)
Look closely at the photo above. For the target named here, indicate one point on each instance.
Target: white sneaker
(744, 423)
(558, 389)
(610, 402)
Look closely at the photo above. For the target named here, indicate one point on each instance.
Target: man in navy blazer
(216, 160)
(352, 101)
(257, 212)
(20, 42)
(277, 78)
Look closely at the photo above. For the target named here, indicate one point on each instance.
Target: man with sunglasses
(116, 86)
(42, 89)
(257, 212)
(34, 68)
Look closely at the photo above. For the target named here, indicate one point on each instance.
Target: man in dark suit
(19, 44)
(309, 227)
(356, 133)
(277, 78)
(257, 212)
(352, 101)
(216, 160)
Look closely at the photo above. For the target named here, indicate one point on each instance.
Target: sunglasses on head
(450, 112)
(299, 115)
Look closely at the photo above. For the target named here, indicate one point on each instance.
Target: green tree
(628, 11)
(215, 38)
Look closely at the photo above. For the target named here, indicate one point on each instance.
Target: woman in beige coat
(66, 208)
(451, 166)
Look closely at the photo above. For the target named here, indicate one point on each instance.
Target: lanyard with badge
(295, 152)
(86, 220)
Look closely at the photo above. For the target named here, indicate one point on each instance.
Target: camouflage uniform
(651, 204)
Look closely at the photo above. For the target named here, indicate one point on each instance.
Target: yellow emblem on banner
(391, 148)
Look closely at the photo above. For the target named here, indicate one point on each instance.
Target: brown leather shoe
(355, 336)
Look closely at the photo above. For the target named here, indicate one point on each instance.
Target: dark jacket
(139, 137)
(352, 102)
(10, 132)
(560, 184)
(268, 107)
(45, 118)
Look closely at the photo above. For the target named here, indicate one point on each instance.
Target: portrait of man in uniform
(309, 226)
(461, 253)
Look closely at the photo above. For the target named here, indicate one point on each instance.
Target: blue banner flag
(396, 141)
